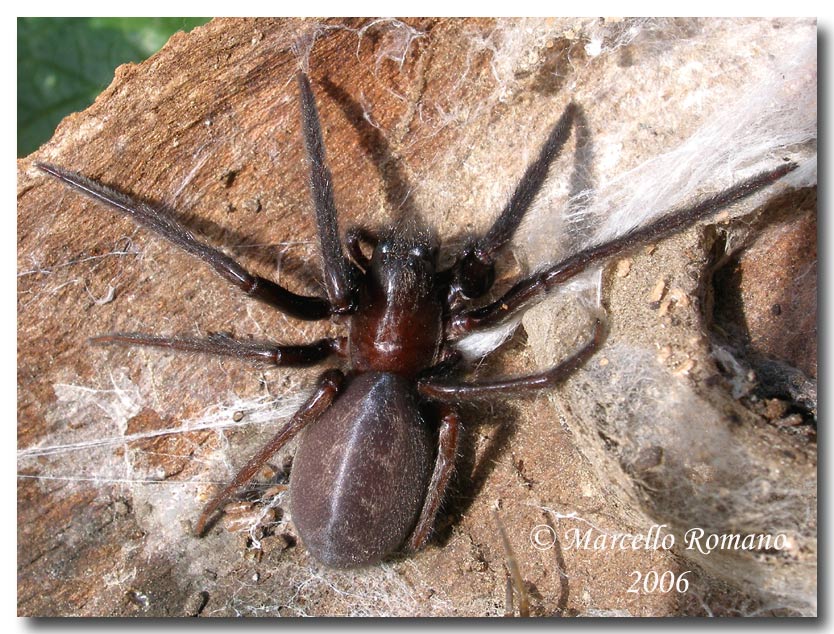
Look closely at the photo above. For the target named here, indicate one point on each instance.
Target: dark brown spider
(380, 439)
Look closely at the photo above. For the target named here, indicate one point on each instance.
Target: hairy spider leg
(454, 391)
(222, 344)
(504, 227)
(327, 389)
(445, 392)
(532, 289)
(444, 466)
(473, 273)
(340, 276)
(166, 225)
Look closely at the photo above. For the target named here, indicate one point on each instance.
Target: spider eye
(420, 252)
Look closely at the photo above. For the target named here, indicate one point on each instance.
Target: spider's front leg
(340, 275)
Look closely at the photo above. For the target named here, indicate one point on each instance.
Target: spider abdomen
(360, 474)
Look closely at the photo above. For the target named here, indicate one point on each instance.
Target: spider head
(404, 262)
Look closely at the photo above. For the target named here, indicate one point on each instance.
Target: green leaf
(64, 63)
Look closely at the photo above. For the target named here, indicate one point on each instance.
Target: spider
(380, 438)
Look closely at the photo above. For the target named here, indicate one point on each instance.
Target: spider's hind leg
(329, 385)
(444, 466)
